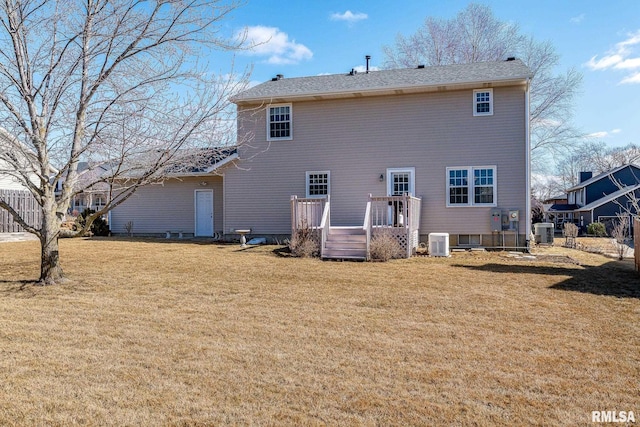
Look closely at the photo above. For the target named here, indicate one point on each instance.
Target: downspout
(527, 108)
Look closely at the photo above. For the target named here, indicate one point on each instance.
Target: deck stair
(346, 243)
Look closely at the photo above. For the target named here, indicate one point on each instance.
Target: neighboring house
(598, 198)
(93, 197)
(14, 170)
(455, 138)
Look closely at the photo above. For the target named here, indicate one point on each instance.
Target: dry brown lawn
(187, 333)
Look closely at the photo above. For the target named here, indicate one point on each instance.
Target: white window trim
(475, 103)
(412, 182)
(470, 185)
(306, 184)
(286, 138)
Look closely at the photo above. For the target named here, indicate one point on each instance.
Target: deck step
(347, 230)
(346, 243)
(345, 254)
(332, 244)
(347, 238)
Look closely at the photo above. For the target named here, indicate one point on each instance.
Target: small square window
(317, 184)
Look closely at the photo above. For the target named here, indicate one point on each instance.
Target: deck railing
(400, 215)
(366, 225)
(311, 214)
(325, 225)
(306, 213)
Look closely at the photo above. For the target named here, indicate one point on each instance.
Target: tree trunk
(50, 269)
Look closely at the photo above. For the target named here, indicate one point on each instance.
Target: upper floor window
(279, 122)
(317, 184)
(483, 102)
(471, 186)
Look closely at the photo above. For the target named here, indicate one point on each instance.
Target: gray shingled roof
(381, 81)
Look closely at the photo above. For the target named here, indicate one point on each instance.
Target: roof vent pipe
(368, 58)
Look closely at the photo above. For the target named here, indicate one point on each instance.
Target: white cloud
(577, 19)
(604, 62)
(275, 45)
(624, 56)
(363, 68)
(349, 16)
(632, 78)
(602, 134)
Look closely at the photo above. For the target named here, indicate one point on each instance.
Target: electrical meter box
(514, 216)
(496, 220)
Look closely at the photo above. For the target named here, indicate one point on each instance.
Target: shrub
(384, 246)
(570, 232)
(304, 243)
(99, 226)
(597, 229)
(619, 233)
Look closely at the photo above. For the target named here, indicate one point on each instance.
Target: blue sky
(601, 39)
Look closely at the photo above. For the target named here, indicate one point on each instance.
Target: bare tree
(619, 234)
(476, 35)
(591, 156)
(116, 83)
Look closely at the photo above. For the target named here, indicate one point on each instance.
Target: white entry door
(204, 213)
(400, 182)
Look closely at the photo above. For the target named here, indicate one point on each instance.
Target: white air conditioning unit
(439, 244)
(544, 233)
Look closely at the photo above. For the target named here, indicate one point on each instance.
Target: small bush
(597, 229)
(304, 243)
(99, 226)
(384, 246)
(570, 232)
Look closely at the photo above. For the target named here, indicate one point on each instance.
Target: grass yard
(187, 333)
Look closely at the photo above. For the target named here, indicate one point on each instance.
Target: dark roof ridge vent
(277, 77)
(511, 58)
(420, 66)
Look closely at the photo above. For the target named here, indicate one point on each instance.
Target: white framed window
(279, 122)
(318, 184)
(483, 102)
(471, 186)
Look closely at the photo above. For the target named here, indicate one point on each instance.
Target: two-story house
(455, 139)
(455, 136)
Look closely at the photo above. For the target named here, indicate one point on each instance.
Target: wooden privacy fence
(636, 241)
(24, 203)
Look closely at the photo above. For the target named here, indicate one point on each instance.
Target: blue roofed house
(598, 198)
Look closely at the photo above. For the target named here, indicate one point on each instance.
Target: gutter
(527, 113)
(346, 93)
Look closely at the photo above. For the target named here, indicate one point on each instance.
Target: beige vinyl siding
(170, 206)
(358, 139)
